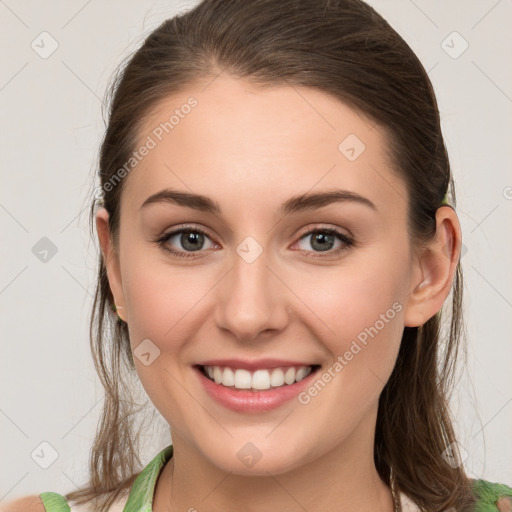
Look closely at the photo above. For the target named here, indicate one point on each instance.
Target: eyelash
(348, 242)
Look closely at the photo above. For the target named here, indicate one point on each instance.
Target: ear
(434, 269)
(111, 259)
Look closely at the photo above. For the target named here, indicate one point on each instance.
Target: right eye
(191, 239)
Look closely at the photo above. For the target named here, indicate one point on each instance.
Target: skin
(250, 149)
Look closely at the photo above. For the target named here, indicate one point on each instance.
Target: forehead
(229, 138)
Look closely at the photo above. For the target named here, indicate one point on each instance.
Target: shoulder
(493, 494)
(92, 505)
(31, 503)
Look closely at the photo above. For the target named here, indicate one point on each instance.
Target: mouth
(263, 379)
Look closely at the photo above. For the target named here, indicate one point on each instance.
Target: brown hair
(346, 49)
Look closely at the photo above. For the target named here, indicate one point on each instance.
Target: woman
(278, 237)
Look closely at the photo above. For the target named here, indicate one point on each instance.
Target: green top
(141, 494)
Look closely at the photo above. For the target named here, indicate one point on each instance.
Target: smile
(258, 380)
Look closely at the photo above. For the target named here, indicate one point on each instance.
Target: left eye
(323, 239)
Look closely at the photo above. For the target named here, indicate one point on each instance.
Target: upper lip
(256, 364)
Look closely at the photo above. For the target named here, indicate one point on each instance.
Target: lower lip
(253, 401)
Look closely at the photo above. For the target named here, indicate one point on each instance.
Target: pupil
(323, 239)
(191, 240)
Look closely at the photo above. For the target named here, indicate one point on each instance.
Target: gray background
(51, 129)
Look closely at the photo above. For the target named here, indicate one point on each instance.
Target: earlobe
(434, 269)
(110, 257)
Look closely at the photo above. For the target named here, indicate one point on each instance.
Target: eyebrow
(303, 202)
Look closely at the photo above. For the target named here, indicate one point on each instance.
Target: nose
(252, 300)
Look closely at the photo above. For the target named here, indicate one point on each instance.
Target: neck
(344, 478)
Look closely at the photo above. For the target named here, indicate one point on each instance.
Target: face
(263, 282)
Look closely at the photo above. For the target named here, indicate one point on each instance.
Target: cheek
(165, 305)
(360, 322)
(365, 326)
(350, 300)
(160, 297)
(359, 309)
(158, 302)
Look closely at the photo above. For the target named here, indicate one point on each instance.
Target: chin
(255, 458)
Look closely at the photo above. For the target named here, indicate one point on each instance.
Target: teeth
(217, 375)
(258, 380)
(289, 376)
(228, 377)
(242, 379)
(301, 373)
(261, 379)
(277, 378)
